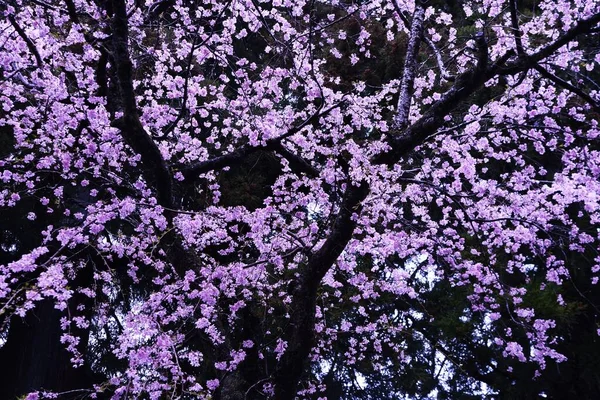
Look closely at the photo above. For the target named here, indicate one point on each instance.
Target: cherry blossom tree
(317, 199)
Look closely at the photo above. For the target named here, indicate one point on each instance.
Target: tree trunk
(33, 357)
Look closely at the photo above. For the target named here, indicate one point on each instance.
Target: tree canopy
(314, 199)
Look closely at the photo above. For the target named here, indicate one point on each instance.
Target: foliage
(314, 199)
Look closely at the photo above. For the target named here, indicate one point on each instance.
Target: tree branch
(410, 66)
(186, 85)
(297, 163)
(156, 9)
(514, 20)
(72, 10)
(300, 333)
(566, 85)
(193, 170)
(156, 169)
(470, 81)
(580, 28)
(526, 63)
(30, 44)
(404, 141)
(438, 58)
(188, 68)
(436, 52)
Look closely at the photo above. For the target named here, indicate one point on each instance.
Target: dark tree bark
(33, 357)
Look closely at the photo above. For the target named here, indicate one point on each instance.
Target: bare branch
(186, 85)
(156, 9)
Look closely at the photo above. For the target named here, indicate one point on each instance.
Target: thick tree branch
(193, 170)
(404, 141)
(156, 169)
(514, 20)
(297, 163)
(469, 82)
(300, 333)
(436, 52)
(580, 28)
(30, 44)
(566, 85)
(410, 66)
(525, 63)
(72, 10)
(157, 8)
(101, 73)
